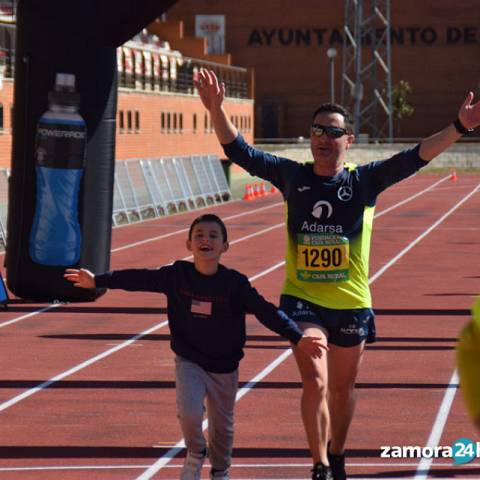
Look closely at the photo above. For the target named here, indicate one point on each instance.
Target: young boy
(207, 303)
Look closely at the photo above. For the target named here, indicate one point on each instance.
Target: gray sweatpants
(193, 386)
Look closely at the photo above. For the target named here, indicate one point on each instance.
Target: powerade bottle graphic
(55, 238)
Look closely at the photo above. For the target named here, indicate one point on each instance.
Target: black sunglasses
(331, 132)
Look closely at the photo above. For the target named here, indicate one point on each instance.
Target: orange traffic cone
(273, 189)
(248, 195)
(256, 191)
(262, 191)
(453, 176)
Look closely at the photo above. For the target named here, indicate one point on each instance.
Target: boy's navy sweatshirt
(206, 313)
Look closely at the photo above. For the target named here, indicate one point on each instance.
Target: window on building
(180, 125)
(162, 122)
(121, 121)
(137, 121)
(205, 123)
(175, 125)
(169, 122)
(194, 123)
(129, 120)
(1, 117)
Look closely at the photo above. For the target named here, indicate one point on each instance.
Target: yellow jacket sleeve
(468, 361)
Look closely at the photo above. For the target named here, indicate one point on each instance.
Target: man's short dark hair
(335, 108)
(209, 217)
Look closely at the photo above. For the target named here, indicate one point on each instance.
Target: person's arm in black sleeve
(139, 280)
(277, 170)
(404, 164)
(384, 173)
(261, 164)
(277, 320)
(144, 280)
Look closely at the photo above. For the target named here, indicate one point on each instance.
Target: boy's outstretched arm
(277, 320)
(133, 279)
(80, 278)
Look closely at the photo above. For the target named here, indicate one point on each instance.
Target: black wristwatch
(460, 128)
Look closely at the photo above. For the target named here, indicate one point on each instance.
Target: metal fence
(152, 187)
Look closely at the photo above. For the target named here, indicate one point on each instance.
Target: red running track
(87, 390)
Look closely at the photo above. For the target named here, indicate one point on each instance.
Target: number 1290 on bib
(322, 258)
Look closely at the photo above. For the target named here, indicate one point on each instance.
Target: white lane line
(409, 199)
(234, 465)
(75, 369)
(61, 376)
(438, 425)
(424, 234)
(232, 242)
(183, 230)
(28, 315)
(80, 366)
(47, 383)
(250, 212)
(167, 457)
(444, 409)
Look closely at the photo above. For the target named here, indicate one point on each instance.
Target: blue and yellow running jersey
(329, 221)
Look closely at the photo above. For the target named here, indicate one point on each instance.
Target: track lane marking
(77, 368)
(424, 234)
(175, 450)
(408, 199)
(425, 464)
(43, 385)
(184, 230)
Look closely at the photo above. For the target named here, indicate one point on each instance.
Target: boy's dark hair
(209, 217)
(335, 108)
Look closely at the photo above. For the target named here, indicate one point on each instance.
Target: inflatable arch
(61, 183)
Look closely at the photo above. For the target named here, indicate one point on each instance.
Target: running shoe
(337, 464)
(219, 475)
(321, 472)
(192, 467)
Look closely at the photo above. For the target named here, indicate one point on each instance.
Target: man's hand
(312, 346)
(80, 278)
(469, 114)
(210, 90)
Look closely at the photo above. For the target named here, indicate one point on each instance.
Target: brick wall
(6, 101)
(150, 140)
(436, 51)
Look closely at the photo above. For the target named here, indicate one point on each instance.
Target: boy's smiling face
(207, 242)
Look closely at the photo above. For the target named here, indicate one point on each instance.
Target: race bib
(322, 258)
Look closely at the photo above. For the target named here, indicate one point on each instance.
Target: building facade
(435, 47)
